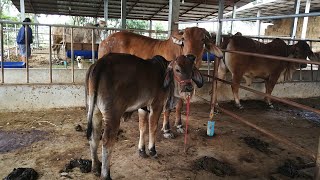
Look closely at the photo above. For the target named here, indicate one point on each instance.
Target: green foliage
(137, 24)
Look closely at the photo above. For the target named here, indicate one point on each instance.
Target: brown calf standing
(120, 83)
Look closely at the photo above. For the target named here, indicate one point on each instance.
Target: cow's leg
(235, 89)
(111, 128)
(178, 122)
(222, 70)
(143, 123)
(166, 125)
(94, 141)
(269, 84)
(153, 125)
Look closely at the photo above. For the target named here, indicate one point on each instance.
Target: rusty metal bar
(50, 56)
(275, 137)
(303, 61)
(2, 68)
(272, 97)
(214, 88)
(72, 56)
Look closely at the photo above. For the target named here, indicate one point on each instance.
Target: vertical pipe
(2, 68)
(216, 62)
(105, 15)
(22, 10)
(174, 8)
(150, 28)
(295, 21)
(259, 22)
(123, 14)
(50, 56)
(15, 42)
(208, 63)
(311, 65)
(317, 169)
(27, 46)
(72, 56)
(305, 20)
(92, 47)
(8, 45)
(233, 17)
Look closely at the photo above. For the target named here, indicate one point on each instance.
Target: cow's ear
(177, 38)
(197, 77)
(168, 77)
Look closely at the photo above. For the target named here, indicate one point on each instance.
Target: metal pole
(208, 63)
(15, 42)
(8, 46)
(27, 46)
(72, 56)
(92, 48)
(305, 20)
(258, 22)
(105, 14)
(216, 62)
(50, 56)
(22, 10)
(150, 28)
(233, 16)
(123, 14)
(2, 59)
(295, 21)
(317, 169)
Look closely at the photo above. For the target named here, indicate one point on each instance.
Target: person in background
(24, 48)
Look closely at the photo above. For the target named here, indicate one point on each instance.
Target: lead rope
(187, 118)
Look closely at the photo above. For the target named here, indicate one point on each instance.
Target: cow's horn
(177, 41)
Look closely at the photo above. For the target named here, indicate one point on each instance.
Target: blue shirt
(21, 36)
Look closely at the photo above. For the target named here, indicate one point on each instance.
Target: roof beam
(130, 9)
(32, 7)
(190, 9)
(101, 2)
(160, 9)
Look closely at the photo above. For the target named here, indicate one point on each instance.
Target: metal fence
(42, 52)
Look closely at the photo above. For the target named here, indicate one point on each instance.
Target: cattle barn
(250, 67)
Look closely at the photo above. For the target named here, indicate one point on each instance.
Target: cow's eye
(177, 70)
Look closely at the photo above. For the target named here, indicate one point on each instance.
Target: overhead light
(182, 1)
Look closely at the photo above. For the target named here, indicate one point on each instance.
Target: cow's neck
(169, 50)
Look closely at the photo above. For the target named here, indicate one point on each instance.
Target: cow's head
(182, 72)
(193, 41)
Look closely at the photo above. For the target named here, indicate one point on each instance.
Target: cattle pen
(43, 119)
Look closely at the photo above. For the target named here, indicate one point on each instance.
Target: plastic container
(210, 128)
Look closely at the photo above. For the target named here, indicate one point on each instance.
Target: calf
(121, 83)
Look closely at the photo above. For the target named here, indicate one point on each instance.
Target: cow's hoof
(106, 178)
(153, 152)
(142, 153)
(270, 106)
(168, 135)
(239, 106)
(180, 129)
(97, 169)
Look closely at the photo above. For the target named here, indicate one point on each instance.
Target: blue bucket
(210, 128)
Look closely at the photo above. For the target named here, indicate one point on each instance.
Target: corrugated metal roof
(136, 9)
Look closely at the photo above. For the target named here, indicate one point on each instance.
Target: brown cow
(80, 35)
(119, 83)
(250, 67)
(191, 41)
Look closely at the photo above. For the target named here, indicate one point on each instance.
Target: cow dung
(22, 174)
(215, 166)
(257, 144)
(83, 164)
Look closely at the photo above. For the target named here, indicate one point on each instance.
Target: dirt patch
(215, 166)
(257, 144)
(11, 140)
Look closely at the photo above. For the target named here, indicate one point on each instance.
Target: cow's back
(252, 66)
(128, 79)
(138, 45)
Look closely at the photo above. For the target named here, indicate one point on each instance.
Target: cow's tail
(92, 81)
